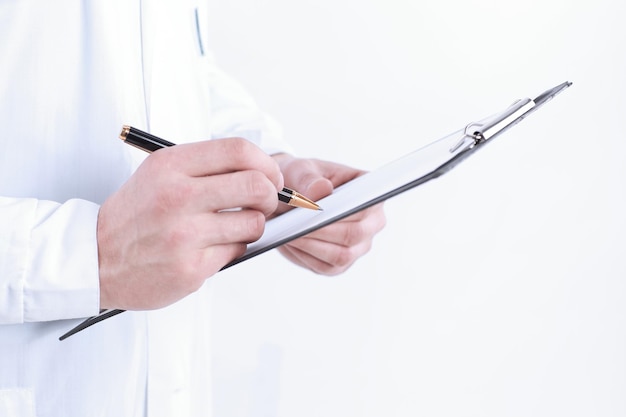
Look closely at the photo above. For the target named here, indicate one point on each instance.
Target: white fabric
(17, 402)
(71, 73)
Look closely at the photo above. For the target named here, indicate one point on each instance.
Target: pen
(150, 143)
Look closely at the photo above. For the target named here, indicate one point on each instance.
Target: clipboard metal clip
(479, 132)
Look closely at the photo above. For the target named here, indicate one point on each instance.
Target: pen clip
(478, 132)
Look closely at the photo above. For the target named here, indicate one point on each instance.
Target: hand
(165, 231)
(333, 249)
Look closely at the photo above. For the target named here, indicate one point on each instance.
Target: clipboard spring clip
(479, 132)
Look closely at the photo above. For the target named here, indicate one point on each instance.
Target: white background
(496, 290)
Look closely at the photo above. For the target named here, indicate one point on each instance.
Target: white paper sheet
(360, 193)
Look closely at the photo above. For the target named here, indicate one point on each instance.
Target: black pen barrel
(143, 140)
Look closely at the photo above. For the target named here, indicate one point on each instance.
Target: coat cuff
(52, 272)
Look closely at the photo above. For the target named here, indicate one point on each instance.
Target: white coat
(72, 73)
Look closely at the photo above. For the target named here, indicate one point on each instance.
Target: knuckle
(254, 225)
(158, 158)
(258, 186)
(382, 223)
(260, 192)
(353, 233)
(180, 234)
(173, 195)
(165, 160)
(239, 144)
(247, 155)
(331, 270)
(176, 236)
(381, 219)
(247, 227)
(342, 257)
(361, 232)
(241, 150)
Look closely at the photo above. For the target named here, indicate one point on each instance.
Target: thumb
(307, 177)
(317, 187)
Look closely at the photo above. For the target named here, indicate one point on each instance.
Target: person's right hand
(169, 228)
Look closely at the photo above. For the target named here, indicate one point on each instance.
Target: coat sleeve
(235, 113)
(40, 243)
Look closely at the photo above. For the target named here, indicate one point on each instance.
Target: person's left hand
(330, 250)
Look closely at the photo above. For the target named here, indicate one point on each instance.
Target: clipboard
(406, 173)
(418, 167)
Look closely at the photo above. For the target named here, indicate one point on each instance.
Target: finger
(310, 262)
(215, 257)
(316, 187)
(302, 175)
(218, 157)
(303, 172)
(210, 229)
(245, 189)
(338, 256)
(338, 174)
(230, 227)
(354, 229)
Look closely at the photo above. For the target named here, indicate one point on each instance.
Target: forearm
(234, 113)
